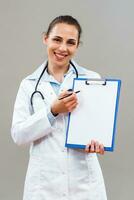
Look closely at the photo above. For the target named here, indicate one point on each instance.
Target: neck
(57, 71)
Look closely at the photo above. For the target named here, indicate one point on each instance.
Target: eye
(71, 42)
(56, 39)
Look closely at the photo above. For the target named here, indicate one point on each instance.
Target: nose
(63, 47)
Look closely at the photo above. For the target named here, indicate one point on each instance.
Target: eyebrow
(71, 39)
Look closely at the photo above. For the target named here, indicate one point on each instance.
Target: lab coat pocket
(93, 165)
(32, 182)
(50, 174)
(96, 181)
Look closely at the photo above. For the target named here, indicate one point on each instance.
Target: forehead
(64, 30)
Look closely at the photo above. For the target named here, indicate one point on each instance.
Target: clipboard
(95, 117)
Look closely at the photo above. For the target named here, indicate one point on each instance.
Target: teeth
(60, 55)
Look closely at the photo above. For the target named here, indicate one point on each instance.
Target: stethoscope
(36, 91)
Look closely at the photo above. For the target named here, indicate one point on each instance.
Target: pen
(69, 95)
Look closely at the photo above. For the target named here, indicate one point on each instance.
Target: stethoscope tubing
(36, 91)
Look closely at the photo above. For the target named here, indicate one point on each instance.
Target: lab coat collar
(36, 74)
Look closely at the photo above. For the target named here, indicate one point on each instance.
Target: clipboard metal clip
(95, 82)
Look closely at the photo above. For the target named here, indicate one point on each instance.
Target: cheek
(73, 50)
(52, 47)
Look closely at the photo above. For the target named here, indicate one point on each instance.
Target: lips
(60, 56)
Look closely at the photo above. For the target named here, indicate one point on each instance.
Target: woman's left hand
(95, 147)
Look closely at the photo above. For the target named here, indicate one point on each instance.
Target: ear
(45, 38)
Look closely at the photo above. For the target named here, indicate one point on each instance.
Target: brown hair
(65, 19)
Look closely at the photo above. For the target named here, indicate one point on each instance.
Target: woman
(56, 172)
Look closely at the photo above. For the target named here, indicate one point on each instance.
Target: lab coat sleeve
(51, 117)
(27, 126)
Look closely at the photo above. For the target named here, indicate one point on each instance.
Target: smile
(60, 55)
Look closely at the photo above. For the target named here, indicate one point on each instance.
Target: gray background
(108, 41)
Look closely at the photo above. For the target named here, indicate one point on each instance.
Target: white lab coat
(54, 172)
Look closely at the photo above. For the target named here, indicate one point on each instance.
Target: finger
(72, 107)
(87, 148)
(70, 103)
(97, 147)
(92, 148)
(64, 93)
(71, 97)
(101, 147)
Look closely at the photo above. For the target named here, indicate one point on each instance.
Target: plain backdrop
(107, 47)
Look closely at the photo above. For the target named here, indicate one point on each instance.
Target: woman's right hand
(67, 104)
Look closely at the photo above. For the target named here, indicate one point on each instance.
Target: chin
(61, 63)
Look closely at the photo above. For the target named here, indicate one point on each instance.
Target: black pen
(68, 95)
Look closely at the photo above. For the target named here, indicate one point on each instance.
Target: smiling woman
(56, 172)
(62, 41)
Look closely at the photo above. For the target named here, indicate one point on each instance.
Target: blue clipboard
(96, 114)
